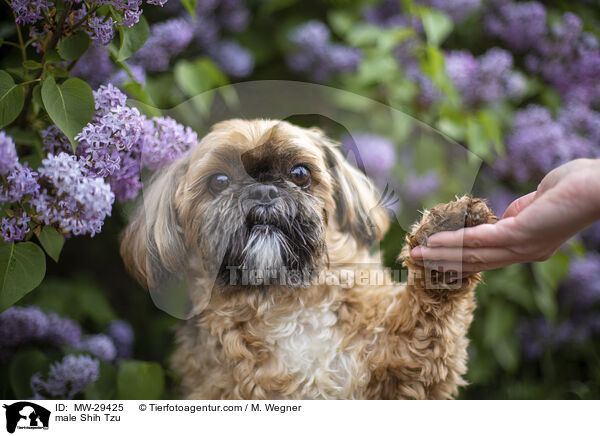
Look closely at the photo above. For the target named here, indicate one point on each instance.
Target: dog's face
(254, 204)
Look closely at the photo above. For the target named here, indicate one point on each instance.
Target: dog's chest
(307, 344)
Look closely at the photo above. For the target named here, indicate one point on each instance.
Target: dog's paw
(464, 212)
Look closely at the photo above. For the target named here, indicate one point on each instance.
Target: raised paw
(464, 212)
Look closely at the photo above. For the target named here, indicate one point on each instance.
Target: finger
(519, 204)
(484, 235)
(459, 267)
(465, 255)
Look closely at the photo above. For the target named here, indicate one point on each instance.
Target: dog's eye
(300, 175)
(218, 183)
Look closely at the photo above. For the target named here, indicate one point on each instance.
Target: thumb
(517, 206)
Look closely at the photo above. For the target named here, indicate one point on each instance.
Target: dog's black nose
(263, 194)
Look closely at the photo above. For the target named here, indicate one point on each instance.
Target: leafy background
(514, 82)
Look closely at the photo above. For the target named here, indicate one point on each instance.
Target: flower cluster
(77, 15)
(21, 325)
(562, 53)
(373, 154)
(537, 143)
(486, 79)
(317, 56)
(72, 375)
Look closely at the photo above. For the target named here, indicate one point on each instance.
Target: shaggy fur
(341, 338)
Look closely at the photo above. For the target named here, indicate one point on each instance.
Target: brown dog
(249, 218)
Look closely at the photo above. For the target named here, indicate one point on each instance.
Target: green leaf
(74, 46)
(23, 365)
(132, 38)
(198, 76)
(52, 241)
(492, 130)
(32, 65)
(190, 5)
(477, 140)
(436, 24)
(548, 276)
(11, 99)
(364, 34)
(22, 268)
(105, 387)
(140, 381)
(70, 105)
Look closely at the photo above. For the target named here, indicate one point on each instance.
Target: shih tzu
(271, 229)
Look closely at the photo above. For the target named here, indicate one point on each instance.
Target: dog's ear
(152, 246)
(358, 209)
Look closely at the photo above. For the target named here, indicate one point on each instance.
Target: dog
(259, 202)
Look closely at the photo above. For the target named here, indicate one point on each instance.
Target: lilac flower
(537, 144)
(121, 76)
(457, 9)
(519, 25)
(15, 228)
(8, 153)
(166, 40)
(108, 97)
(68, 377)
(63, 331)
(20, 183)
(94, 66)
(164, 141)
(417, 186)
(104, 138)
(234, 59)
(387, 13)
(234, 16)
(584, 122)
(100, 346)
(30, 11)
(101, 29)
(485, 79)
(122, 335)
(77, 203)
(315, 55)
(374, 154)
(54, 140)
(22, 324)
(131, 17)
(584, 280)
(160, 3)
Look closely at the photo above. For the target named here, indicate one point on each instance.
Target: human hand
(532, 229)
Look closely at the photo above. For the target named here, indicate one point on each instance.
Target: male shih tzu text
(246, 219)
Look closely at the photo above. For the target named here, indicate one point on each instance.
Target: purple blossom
(63, 331)
(30, 11)
(55, 141)
(15, 228)
(417, 186)
(487, 79)
(234, 59)
(99, 345)
(457, 9)
(315, 55)
(22, 324)
(591, 236)
(20, 183)
(68, 377)
(164, 141)
(77, 203)
(8, 153)
(107, 98)
(95, 66)
(374, 154)
(160, 3)
(234, 16)
(537, 143)
(584, 280)
(166, 40)
(121, 76)
(101, 29)
(387, 13)
(519, 25)
(122, 335)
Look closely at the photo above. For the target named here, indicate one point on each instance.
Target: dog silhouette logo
(26, 415)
